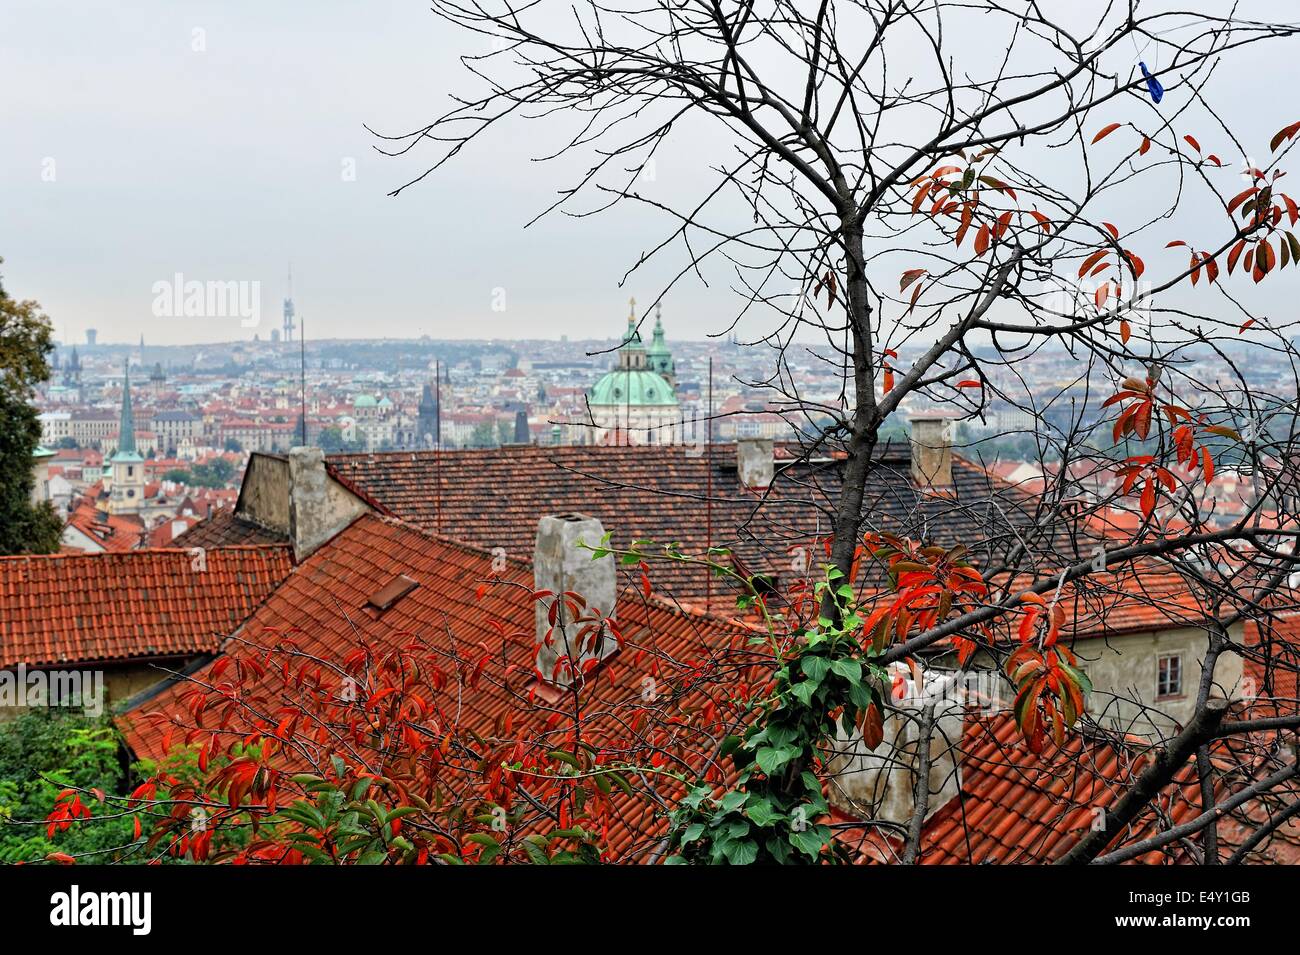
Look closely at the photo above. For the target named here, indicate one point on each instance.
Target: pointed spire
(126, 428)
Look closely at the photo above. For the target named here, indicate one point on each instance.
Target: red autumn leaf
(1245, 325)
(1135, 264)
(1105, 131)
(910, 276)
(1124, 331)
(967, 210)
(1286, 132)
(1148, 499)
(872, 727)
(1090, 261)
(920, 197)
(1235, 254)
(982, 240)
(1191, 141)
(1146, 144)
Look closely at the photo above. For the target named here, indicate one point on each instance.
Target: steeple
(632, 336)
(286, 335)
(126, 429)
(659, 358)
(428, 425)
(631, 354)
(657, 343)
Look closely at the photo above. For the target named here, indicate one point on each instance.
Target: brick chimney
(881, 783)
(932, 450)
(318, 507)
(561, 566)
(755, 463)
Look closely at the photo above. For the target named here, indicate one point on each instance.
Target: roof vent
(569, 637)
(755, 462)
(391, 592)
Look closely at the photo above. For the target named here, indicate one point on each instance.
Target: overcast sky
(215, 140)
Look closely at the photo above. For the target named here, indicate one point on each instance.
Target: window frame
(1167, 687)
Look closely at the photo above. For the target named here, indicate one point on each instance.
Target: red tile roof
(493, 498)
(326, 605)
(1273, 658)
(222, 528)
(116, 533)
(1017, 807)
(1014, 806)
(100, 608)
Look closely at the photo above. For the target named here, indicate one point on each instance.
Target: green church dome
(364, 401)
(632, 387)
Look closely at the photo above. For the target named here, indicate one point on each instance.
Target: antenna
(708, 492)
(302, 366)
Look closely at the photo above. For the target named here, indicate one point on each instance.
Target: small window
(1169, 676)
(393, 591)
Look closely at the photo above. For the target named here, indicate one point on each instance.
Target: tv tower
(286, 334)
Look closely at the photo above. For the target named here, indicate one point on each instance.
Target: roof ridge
(141, 551)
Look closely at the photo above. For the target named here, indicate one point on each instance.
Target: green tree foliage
(24, 346)
(42, 752)
(217, 473)
(484, 435)
(331, 439)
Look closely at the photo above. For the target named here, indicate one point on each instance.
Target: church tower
(126, 493)
(426, 422)
(658, 357)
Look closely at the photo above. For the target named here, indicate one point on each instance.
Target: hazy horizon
(224, 142)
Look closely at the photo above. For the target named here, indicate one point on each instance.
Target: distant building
(427, 431)
(636, 402)
(125, 473)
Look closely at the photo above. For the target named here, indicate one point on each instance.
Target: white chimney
(755, 462)
(932, 449)
(561, 565)
(881, 783)
(318, 507)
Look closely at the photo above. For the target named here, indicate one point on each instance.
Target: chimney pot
(318, 507)
(932, 450)
(883, 782)
(561, 565)
(755, 463)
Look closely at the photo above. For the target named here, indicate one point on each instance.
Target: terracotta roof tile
(1018, 807)
(222, 528)
(493, 498)
(324, 603)
(100, 608)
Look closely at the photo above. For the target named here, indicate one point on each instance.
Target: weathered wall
(119, 682)
(319, 507)
(1126, 666)
(264, 494)
(1123, 671)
